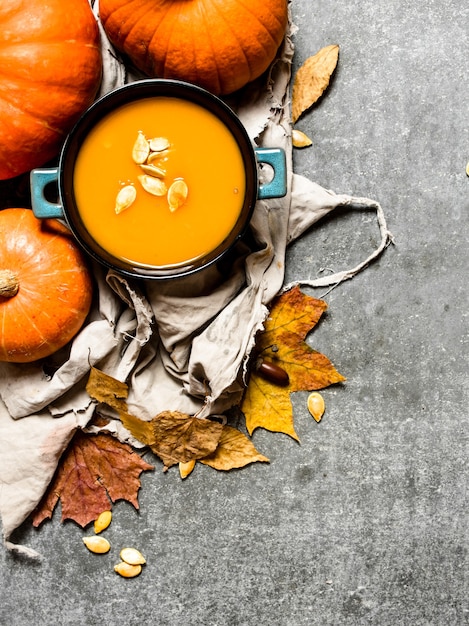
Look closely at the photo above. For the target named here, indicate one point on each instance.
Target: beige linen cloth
(180, 346)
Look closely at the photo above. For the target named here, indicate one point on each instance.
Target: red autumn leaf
(95, 471)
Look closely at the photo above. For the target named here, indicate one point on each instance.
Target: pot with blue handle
(67, 207)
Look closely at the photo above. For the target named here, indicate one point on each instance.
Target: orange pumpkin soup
(202, 166)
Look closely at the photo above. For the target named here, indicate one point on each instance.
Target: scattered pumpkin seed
(125, 198)
(155, 186)
(316, 405)
(97, 544)
(300, 139)
(141, 149)
(186, 468)
(467, 169)
(157, 144)
(126, 570)
(153, 170)
(132, 556)
(177, 194)
(102, 521)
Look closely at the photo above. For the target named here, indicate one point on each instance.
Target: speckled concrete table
(364, 522)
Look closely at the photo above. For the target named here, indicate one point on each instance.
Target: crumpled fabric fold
(182, 345)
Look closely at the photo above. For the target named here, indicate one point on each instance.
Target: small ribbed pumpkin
(218, 44)
(45, 286)
(50, 71)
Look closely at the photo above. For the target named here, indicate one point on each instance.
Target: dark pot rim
(131, 92)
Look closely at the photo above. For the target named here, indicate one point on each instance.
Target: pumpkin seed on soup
(177, 194)
(153, 170)
(158, 144)
(125, 198)
(155, 186)
(141, 149)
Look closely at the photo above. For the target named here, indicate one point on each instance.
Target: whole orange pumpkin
(218, 44)
(45, 286)
(50, 71)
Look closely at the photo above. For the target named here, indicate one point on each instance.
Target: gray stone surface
(364, 522)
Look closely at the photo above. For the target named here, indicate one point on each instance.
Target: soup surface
(151, 232)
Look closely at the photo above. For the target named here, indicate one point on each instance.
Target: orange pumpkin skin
(55, 286)
(50, 71)
(218, 44)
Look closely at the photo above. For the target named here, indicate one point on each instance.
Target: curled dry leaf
(312, 79)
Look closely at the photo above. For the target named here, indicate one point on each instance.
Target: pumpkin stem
(9, 284)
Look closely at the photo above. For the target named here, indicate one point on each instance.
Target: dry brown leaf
(95, 471)
(175, 437)
(312, 78)
(292, 317)
(234, 450)
(106, 389)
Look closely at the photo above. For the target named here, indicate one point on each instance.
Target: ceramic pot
(71, 208)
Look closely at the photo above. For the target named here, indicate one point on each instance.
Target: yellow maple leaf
(267, 405)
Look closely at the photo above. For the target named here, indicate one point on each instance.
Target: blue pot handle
(277, 187)
(42, 208)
